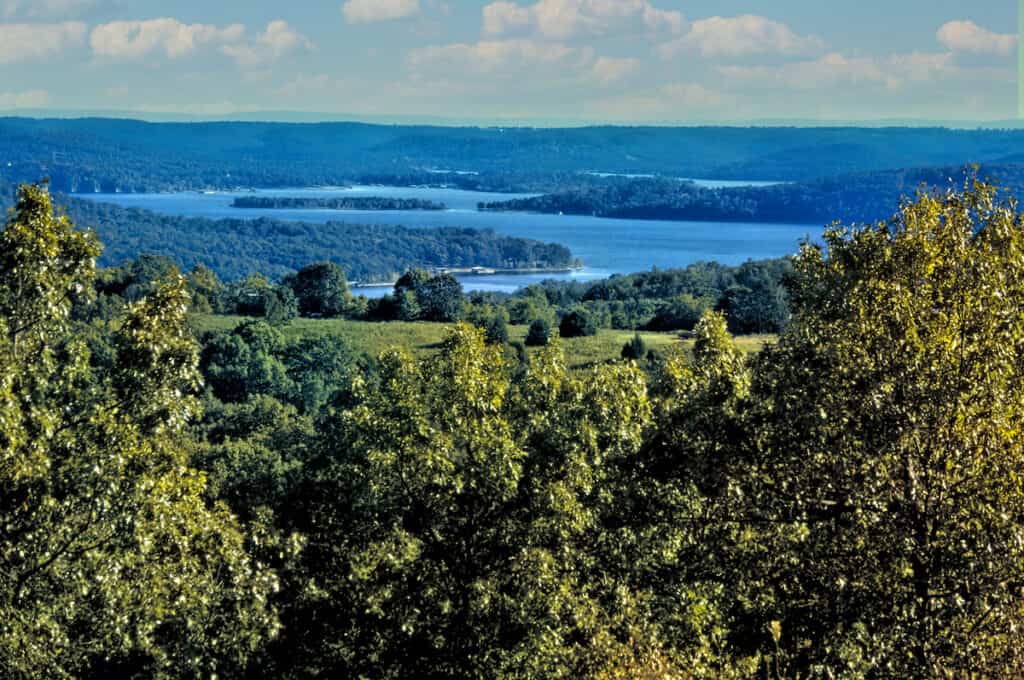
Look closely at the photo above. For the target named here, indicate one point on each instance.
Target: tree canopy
(111, 561)
(845, 503)
(321, 289)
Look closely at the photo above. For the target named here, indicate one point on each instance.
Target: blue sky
(547, 60)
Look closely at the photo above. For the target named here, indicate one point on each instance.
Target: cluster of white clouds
(627, 58)
(277, 40)
(547, 42)
(967, 36)
(834, 69)
(552, 41)
(132, 40)
(741, 36)
(525, 63)
(572, 19)
(490, 57)
(892, 71)
(36, 42)
(136, 40)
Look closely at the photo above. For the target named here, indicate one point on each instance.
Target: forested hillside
(251, 504)
(752, 296)
(239, 247)
(235, 249)
(853, 198)
(344, 203)
(88, 155)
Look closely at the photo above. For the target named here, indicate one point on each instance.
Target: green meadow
(423, 338)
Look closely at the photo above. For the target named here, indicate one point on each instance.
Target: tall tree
(440, 299)
(321, 289)
(111, 562)
(886, 449)
(448, 517)
(577, 323)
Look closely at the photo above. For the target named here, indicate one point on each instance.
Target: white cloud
(830, 69)
(920, 67)
(32, 99)
(967, 36)
(281, 38)
(136, 39)
(369, 11)
(608, 70)
(838, 69)
(506, 17)
(497, 57)
(742, 36)
(277, 40)
(36, 42)
(534, 69)
(674, 101)
(569, 19)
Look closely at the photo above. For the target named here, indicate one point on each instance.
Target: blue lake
(606, 246)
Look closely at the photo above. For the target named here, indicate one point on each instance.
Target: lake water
(606, 246)
(706, 183)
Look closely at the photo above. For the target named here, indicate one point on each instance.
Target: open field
(424, 338)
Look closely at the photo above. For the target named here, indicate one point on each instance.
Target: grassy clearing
(424, 338)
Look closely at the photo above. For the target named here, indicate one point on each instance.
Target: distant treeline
(235, 248)
(98, 155)
(855, 198)
(338, 203)
(752, 296)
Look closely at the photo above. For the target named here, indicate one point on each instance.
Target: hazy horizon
(315, 117)
(561, 62)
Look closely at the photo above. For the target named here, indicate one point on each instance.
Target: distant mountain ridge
(88, 155)
(851, 198)
(286, 116)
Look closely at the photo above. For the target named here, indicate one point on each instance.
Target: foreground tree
(110, 560)
(449, 515)
(885, 460)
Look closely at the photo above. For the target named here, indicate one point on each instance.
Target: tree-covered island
(335, 203)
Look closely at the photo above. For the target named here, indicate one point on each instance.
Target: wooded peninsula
(337, 203)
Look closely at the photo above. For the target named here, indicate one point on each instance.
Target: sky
(621, 61)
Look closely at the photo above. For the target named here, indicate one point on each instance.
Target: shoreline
(477, 272)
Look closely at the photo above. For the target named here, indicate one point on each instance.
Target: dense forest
(845, 503)
(89, 155)
(852, 198)
(235, 248)
(752, 297)
(341, 203)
